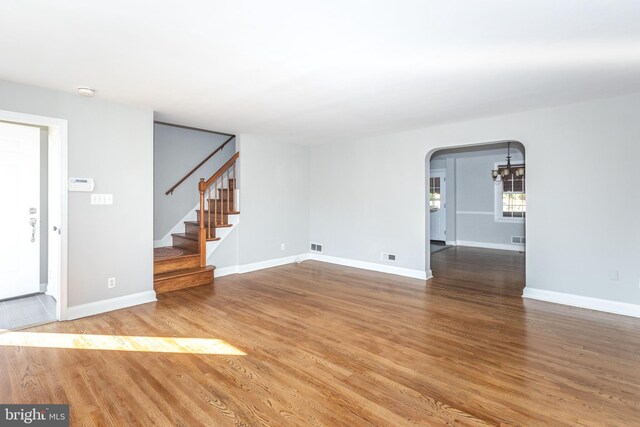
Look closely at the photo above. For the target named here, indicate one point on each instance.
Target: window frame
(497, 203)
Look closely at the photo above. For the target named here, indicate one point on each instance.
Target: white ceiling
(321, 70)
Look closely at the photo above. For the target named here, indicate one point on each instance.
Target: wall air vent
(316, 248)
(384, 256)
(518, 240)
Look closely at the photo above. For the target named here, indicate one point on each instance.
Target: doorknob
(33, 222)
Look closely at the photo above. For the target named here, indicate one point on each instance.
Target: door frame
(58, 132)
(443, 198)
(427, 173)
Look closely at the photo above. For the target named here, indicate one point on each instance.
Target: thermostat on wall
(81, 184)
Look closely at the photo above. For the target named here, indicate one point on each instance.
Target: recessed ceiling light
(86, 91)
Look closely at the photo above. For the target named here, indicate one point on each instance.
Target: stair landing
(178, 268)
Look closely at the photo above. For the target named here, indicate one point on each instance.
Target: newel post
(202, 235)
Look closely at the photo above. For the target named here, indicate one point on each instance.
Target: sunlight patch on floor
(119, 343)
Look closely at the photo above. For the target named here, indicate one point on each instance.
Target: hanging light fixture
(503, 172)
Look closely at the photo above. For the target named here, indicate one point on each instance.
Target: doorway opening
(33, 221)
(476, 209)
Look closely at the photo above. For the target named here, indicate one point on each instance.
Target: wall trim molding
(474, 213)
(246, 268)
(110, 304)
(580, 301)
(225, 271)
(381, 268)
(499, 246)
(372, 266)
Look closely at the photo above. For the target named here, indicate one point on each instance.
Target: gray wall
(471, 197)
(113, 144)
(274, 199)
(176, 152)
(227, 253)
(574, 236)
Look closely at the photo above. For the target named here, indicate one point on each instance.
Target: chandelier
(503, 172)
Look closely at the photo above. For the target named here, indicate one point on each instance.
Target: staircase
(184, 264)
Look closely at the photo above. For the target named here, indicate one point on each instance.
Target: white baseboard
(382, 268)
(451, 243)
(225, 271)
(246, 268)
(500, 246)
(272, 263)
(103, 306)
(598, 304)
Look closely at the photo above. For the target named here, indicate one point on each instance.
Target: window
(511, 199)
(434, 194)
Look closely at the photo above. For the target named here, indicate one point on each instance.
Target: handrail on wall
(184, 178)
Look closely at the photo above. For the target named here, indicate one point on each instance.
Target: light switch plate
(102, 199)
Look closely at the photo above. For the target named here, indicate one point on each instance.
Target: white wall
(274, 199)
(369, 195)
(113, 144)
(176, 152)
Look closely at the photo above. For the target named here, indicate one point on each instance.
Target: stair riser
(181, 242)
(222, 206)
(222, 218)
(183, 282)
(222, 194)
(194, 230)
(212, 203)
(175, 264)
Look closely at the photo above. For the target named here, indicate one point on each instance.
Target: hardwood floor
(319, 344)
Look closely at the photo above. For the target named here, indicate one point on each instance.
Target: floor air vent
(387, 257)
(518, 240)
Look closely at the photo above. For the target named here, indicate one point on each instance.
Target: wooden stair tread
(223, 212)
(171, 252)
(192, 237)
(212, 225)
(180, 273)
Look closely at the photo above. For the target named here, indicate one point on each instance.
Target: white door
(437, 206)
(20, 212)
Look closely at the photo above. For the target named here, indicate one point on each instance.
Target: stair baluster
(223, 187)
